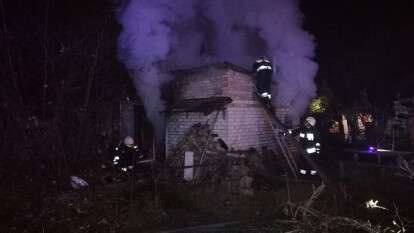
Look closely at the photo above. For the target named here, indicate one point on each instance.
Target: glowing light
(303, 172)
(313, 172)
(318, 105)
(382, 150)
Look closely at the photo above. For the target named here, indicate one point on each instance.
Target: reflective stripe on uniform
(264, 94)
(263, 67)
(310, 136)
(115, 160)
(311, 172)
(311, 150)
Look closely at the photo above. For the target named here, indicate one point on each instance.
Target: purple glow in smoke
(161, 35)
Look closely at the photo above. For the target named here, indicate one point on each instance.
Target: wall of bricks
(203, 84)
(179, 123)
(248, 127)
(242, 125)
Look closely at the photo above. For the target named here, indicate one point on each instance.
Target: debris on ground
(213, 162)
(78, 183)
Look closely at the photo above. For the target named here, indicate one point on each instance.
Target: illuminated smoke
(161, 35)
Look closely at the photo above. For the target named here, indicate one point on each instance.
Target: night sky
(361, 45)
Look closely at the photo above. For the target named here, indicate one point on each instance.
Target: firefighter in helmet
(126, 154)
(309, 141)
(309, 136)
(263, 70)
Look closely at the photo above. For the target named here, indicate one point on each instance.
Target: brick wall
(242, 125)
(281, 113)
(248, 127)
(248, 124)
(206, 83)
(179, 123)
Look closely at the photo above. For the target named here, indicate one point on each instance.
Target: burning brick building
(223, 96)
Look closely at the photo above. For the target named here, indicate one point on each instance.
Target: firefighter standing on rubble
(126, 155)
(309, 141)
(263, 69)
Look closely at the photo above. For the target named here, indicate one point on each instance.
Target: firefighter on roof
(126, 154)
(263, 69)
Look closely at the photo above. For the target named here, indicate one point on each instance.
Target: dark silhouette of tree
(60, 84)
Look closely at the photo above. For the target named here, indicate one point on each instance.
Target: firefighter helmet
(311, 120)
(128, 141)
(262, 59)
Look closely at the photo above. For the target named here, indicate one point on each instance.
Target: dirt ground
(109, 204)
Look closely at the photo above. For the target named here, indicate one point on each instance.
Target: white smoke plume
(162, 35)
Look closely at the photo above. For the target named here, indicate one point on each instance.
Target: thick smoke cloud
(161, 35)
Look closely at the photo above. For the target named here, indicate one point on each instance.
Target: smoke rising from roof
(161, 35)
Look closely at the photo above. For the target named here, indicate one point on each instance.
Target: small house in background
(224, 97)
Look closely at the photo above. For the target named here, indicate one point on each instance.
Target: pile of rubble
(208, 153)
(213, 162)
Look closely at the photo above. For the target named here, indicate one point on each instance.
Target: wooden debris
(212, 163)
(209, 155)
